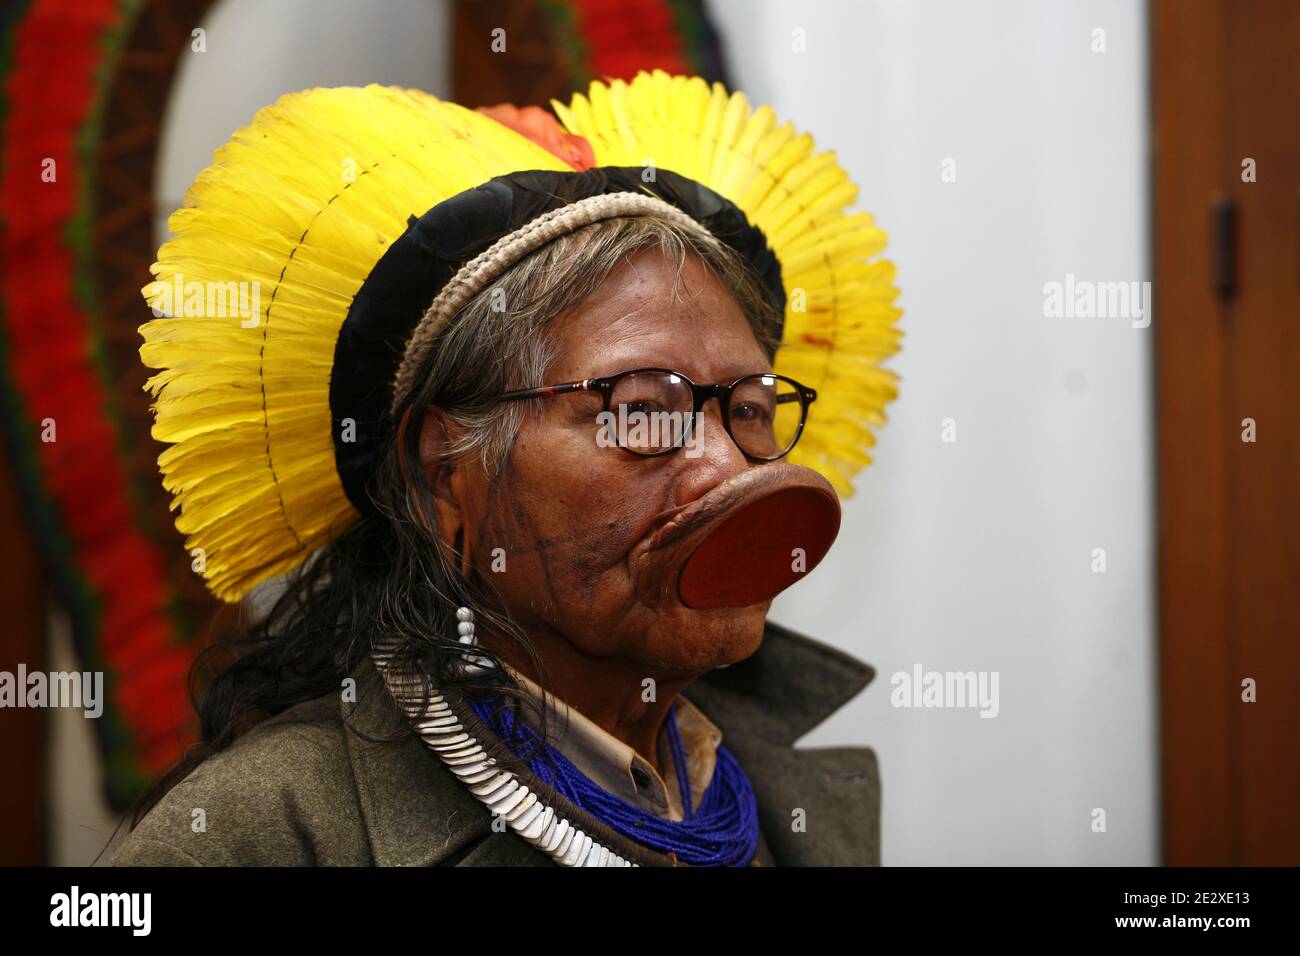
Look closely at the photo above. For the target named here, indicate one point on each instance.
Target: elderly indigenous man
(533, 422)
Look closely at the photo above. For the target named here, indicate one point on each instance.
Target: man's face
(580, 526)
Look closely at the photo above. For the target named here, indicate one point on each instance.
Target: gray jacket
(337, 784)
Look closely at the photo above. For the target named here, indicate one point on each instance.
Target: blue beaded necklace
(722, 831)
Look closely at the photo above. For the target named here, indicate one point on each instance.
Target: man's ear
(450, 485)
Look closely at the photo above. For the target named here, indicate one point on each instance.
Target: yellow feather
(300, 205)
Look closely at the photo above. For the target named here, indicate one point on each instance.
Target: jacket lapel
(415, 813)
(783, 691)
(817, 807)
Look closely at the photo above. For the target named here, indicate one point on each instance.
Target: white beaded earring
(465, 633)
(465, 624)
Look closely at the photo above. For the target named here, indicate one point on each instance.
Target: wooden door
(1226, 114)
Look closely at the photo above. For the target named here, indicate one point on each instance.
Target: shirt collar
(616, 767)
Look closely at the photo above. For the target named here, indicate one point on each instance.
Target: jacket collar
(783, 691)
(417, 815)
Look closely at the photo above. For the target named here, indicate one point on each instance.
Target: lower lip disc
(762, 549)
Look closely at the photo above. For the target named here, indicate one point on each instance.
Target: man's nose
(709, 457)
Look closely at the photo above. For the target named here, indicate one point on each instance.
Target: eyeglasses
(652, 411)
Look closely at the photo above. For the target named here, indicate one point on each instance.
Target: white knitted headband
(485, 268)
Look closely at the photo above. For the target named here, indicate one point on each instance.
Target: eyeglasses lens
(653, 411)
(765, 415)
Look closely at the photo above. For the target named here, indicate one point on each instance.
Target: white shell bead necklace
(497, 788)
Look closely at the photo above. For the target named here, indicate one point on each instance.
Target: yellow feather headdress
(278, 236)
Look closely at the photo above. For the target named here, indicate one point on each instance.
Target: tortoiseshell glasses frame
(700, 394)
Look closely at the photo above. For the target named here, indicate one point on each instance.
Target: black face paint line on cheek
(586, 567)
(570, 569)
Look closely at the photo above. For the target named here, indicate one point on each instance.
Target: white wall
(977, 555)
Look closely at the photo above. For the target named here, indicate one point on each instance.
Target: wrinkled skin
(594, 537)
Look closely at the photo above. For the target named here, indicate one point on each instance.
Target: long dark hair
(390, 577)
